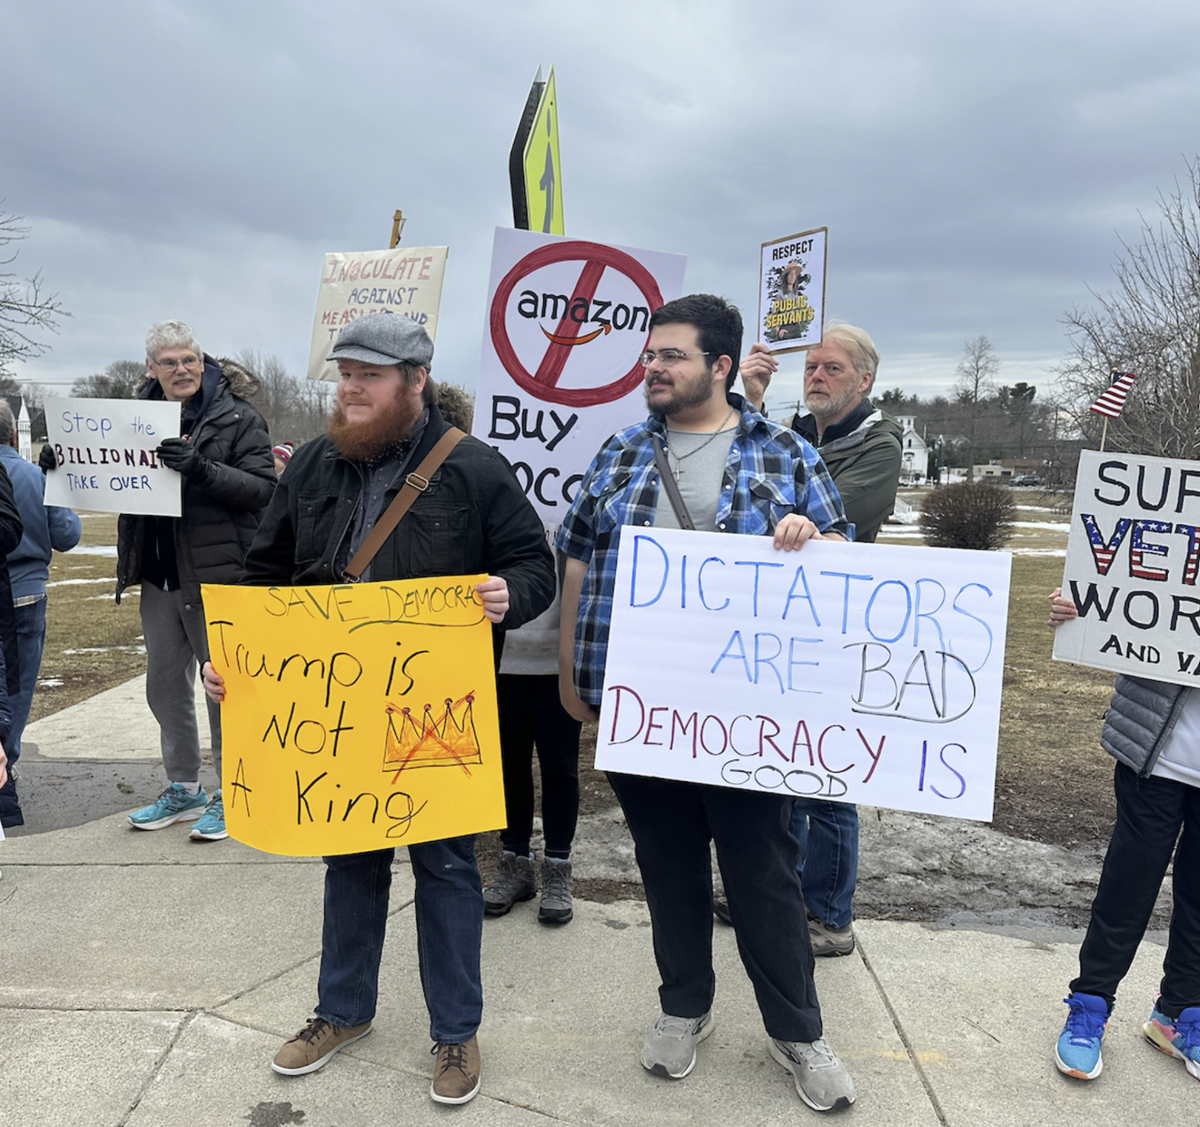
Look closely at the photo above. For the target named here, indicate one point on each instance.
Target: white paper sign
(791, 305)
(567, 321)
(1131, 568)
(864, 673)
(404, 280)
(106, 460)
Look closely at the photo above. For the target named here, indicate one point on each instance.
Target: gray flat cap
(384, 338)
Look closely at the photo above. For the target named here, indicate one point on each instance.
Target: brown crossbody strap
(671, 486)
(414, 485)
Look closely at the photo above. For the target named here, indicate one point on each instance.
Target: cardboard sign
(1131, 567)
(405, 280)
(861, 673)
(356, 717)
(106, 460)
(791, 305)
(567, 321)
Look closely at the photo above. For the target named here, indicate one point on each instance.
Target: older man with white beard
(860, 445)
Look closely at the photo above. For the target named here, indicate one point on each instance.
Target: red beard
(387, 428)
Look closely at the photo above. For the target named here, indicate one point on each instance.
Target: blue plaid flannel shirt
(771, 472)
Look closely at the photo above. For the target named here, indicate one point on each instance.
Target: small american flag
(1112, 401)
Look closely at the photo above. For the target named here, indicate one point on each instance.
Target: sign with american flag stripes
(1133, 558)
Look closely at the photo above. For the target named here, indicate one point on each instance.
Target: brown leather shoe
(456, 1076)
(312, 1047)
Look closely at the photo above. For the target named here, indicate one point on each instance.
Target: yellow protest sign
(358, 716)
(543, 170)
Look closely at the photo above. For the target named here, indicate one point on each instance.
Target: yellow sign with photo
(357, 716)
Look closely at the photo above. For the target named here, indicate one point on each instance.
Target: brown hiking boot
(312, 1047)
(456, 1075)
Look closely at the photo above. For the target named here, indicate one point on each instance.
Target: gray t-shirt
(698, 460)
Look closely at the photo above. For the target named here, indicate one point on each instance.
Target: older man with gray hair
(860, 446)
(223, 455)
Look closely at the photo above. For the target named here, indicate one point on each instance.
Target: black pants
(1150, 813)
(672, 824)
(531, 713)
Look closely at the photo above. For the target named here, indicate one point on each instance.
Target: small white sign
(791, 305)
(404, 280)
(1133, 556)
(105, 450)
(861, 673)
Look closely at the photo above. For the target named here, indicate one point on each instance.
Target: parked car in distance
(1026, 479)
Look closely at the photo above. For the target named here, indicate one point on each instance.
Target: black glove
(180, 455)
(47, 459)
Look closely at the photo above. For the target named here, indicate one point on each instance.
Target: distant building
(24, 444)
(914, 453)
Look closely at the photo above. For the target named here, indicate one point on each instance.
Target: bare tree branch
(26, 310)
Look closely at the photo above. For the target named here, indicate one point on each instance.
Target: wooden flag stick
(397, 223)
(1104, 434)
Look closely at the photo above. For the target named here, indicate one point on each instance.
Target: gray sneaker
(555, 907)
(821, 1079)
(828, 941)
(515, 881)
(670, 1048)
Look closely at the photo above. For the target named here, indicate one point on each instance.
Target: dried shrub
(969, 514)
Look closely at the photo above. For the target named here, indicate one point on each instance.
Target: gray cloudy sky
(975, 162)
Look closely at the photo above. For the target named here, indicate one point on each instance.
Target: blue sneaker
(173, 805)
(1179, 1039)
(1078, 1050)
(211, 826)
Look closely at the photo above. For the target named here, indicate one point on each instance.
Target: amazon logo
(567, 313)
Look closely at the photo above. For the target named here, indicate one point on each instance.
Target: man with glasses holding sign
(223, 455)
(706, 460)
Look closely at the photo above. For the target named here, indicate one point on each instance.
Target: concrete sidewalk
(146, 979)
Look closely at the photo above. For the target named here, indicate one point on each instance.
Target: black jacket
(472, 518)
(222, 510)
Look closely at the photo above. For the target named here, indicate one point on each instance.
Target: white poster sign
(791, 304)
(1132, 561)
(863, 673)
(567, 321)
(106, 460)
(404, 280)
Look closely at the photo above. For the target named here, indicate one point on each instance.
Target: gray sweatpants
(176, 644)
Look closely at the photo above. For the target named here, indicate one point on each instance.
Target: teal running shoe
(173, 805)
(211, 826)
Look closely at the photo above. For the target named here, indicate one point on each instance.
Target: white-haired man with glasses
(223, 455)
(860, 445)
(736, 472)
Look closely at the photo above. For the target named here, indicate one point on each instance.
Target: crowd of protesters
(788, 867)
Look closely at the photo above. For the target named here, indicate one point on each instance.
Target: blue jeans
(31, 637)
(828, 866)
(449, 916)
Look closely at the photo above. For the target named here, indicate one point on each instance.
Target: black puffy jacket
(472, 518)
(222, 510)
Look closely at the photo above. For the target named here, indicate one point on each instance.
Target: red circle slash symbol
(543, 384)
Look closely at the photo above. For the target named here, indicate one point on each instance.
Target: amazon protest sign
(791, 306)
(356, 717)
(106, 460)
(1132, 560)
(865, 673)
(404, 280)
(567, 321)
